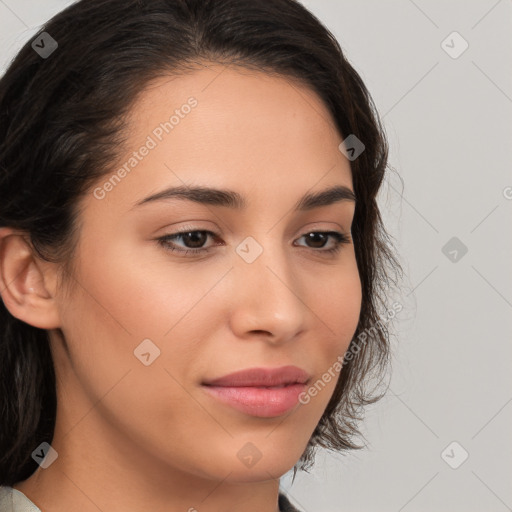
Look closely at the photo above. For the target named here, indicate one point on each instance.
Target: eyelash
(340, 239)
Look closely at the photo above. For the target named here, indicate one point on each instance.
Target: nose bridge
(268, 295)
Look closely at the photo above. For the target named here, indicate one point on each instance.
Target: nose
(267, 298)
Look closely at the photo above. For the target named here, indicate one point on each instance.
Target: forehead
(259, 134)
(230, 87)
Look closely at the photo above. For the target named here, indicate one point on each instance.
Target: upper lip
(262, 377)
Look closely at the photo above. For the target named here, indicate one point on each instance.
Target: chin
(269, 465)
(258, 473)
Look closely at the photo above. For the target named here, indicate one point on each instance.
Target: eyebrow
(231, 199)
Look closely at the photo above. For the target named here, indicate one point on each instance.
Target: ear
(27, 283)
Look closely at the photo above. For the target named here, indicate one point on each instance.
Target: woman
(191, 256)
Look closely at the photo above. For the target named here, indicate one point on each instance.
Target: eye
(194, 241)
(320, 238)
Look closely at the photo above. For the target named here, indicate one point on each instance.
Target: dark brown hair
(62, 121)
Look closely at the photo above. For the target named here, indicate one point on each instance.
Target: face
(150, 319)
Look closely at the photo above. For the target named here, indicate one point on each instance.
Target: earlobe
(27, 284)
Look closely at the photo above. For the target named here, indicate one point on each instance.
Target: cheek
(119, 303)
(338, 303)
(129, 295)
(337, 307)
(142, 290)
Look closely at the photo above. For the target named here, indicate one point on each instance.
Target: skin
(132, 437)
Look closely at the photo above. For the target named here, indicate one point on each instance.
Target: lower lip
(262, 402)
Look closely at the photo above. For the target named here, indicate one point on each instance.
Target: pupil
(317, 237)
(195, 235)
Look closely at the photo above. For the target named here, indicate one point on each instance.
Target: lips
(262, 377)
(255, 401)
(260, 392)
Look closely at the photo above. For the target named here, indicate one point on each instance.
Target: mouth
(261, 392)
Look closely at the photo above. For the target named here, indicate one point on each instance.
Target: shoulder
(285, 505)
(12, 500)
(6, 499)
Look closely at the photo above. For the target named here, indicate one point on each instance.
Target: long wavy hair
(62, 124)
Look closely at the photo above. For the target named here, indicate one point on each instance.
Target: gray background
(448, 124)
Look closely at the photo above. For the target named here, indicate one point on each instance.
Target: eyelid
(310, 228)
